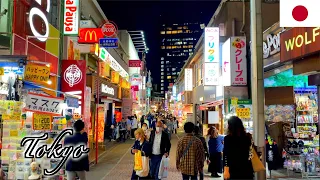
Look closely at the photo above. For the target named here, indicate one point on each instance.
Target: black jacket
(165, 144)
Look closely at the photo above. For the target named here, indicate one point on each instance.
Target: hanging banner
(73, 75)
(104, 69)
(135, 63)
(87, 109)
(44, 104)
(41, 122)
(118, 116)
(36, 73)
(115, 77)
(101, 119)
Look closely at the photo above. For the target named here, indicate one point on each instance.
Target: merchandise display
(277, 113)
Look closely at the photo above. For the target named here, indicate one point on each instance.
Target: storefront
(292, 105)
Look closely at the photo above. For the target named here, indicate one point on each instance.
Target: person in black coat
(77, 167)
(160, 143)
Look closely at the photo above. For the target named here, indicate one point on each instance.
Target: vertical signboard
(226, 69)
(211, 48)
(211, 74)
(238, 61)
(174, 91)
(71, 17)
(188, 79)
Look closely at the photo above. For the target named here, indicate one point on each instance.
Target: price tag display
(36, 73)
(42, 121)
(243, 112)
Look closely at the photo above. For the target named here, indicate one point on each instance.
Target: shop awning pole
(97, 110)
(257, 86)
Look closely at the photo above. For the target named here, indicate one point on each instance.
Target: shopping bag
(164, 166)
(138, 161)
(145, 167)
(256, 163)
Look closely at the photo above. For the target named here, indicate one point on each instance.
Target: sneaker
(113, 140)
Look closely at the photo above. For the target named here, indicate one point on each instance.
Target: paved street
(117, 164)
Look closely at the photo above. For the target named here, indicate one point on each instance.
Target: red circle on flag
(300, 13)
(109, 29)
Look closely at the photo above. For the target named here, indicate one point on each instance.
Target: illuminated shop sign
(71, 17)
(211, 74)
(211, 45)
(188, 79)
(106, 89)
(90, 35)
(35, 11)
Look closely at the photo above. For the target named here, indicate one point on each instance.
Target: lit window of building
(169, 47)
(180, 31)
(162, 66)
(185, 46)
(174, 73)
(162, 88)
(162, 69)
(167, 62)
(162, 73)
(162, 92)
(168, 32)
(173, 69)
(186, 50)
(174, 32)
(162, 84)
(168, 69)
(162, 58)
(190, 53)
(179, 27)
(184, 42)
(168, 77)
(168, 54)
(163, 47)
(190, 50)
(162, 62)
(185, 27)
(162, 80)
(190, 46)
(162, 77)
(169, 28)
(162, 32)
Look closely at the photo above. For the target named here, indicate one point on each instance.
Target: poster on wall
(242, 108)
(101, 119)
(213, 117)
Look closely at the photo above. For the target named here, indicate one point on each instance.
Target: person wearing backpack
(190, 154)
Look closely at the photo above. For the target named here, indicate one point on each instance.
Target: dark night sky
(150, 15)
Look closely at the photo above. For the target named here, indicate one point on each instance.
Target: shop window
(162, 32)
(174, 47)
(168, 32)
(163, 47)
(167, 62)
(187, 31)
(173, 69)
(174, 73)
(168, 54)
(185, 27)
(190, 50)
(162, 62)
(190, 53)
(162, 84)
(168, 77)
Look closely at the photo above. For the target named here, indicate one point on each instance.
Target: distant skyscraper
(177, 44)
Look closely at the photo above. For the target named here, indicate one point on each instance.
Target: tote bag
(256, 163)
(145, 167)
(138, 161)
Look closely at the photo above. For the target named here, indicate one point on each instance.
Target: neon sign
(37, 12)
(211, 48)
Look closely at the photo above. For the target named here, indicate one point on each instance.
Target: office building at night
(177, 44)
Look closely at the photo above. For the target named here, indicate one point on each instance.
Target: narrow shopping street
(118, 163)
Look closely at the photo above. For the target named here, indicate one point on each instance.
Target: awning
(211, 104)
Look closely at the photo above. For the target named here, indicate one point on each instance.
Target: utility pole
(257, 86)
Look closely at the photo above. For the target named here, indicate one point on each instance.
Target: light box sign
(106, 89)
(174, 91)
(90, 35)
(211, 46)
(108, 42)
(134, 63)
(188, 79)
(234, 66)
(71, 17)
(211, 74)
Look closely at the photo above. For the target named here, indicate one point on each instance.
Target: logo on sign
(109, 29)
(72, 75)
(211, 44)
(90, 35)
(71, 16)
(106, 89)
(37, 12)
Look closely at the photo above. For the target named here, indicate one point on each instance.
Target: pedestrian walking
(129, 126)
(190, 154)
(77, 167)
(161, 146)
(215, 149)
(134, 125)
(236, 153)
(123, 129)
(205, 147)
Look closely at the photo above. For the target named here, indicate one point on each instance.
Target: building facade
(177, 44)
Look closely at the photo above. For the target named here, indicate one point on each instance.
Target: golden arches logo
(91, 33)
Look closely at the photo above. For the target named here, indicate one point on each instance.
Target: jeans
(71, 175)
(155, 165)
(188, 177)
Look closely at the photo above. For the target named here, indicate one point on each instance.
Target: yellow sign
(36, 73)
(1, 71)
(243, 113)
(104, 69)
(42, 121)
(234, 101)
(115, 78)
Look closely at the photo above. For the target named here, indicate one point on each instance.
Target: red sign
(109, 29)
(73, 75)
(134, 63)
(135, 88)
(118, 116)
(90, 35)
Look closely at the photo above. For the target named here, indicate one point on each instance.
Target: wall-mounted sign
(37, 73)
(35, 11)
(135, 63)
(135, 88)
(136, 79)
(243, 113)
(106, 89)
(87, 24)
(271, 45)
(115, 77)
(42, 122)
(174, 91)
(211, 45)
(74, 75)
(90, 35)
(109, 29)
(72, 102)
(108, 42)
(211, 74)
(104, 69)
(188, 79)
(234, 62)
(71, 17)
(299, 42)
(44, 104)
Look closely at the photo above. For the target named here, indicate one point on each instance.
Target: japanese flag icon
(299, 13)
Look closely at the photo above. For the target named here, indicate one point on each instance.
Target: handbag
(138, 161)
(144, 172)
(163, 169)
(255, 160)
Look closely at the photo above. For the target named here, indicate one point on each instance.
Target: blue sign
(72, 102)
(108, 42)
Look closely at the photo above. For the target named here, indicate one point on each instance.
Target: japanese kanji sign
(44, 104)
(243, 113)
(108, 42)
(36, 73)
(41, 121)
(238, 61)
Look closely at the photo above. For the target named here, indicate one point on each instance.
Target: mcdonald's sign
(90, 35)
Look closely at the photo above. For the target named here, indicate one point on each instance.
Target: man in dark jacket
(77, 168)
(161, 146)
(204, 143)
